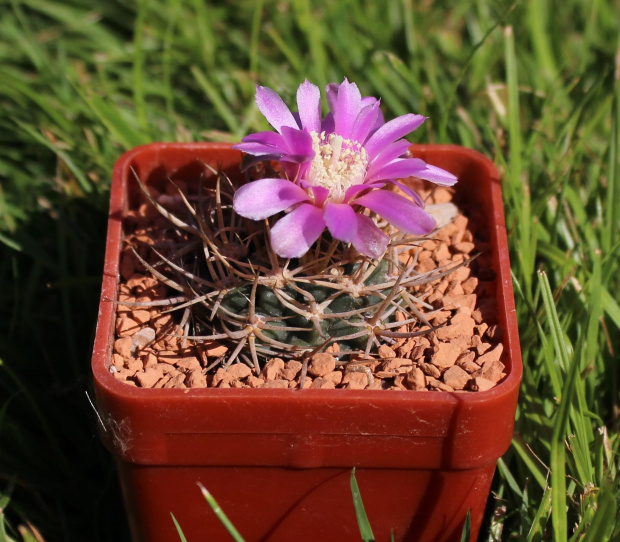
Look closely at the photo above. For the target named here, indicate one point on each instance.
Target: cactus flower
(335, 167)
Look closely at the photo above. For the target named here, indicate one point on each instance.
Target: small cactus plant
(328, 270)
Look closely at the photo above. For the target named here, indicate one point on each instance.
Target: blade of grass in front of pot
(178, 528)
(466, 528)
(232, 531)
(362, 519)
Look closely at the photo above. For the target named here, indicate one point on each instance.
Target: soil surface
(463, 353)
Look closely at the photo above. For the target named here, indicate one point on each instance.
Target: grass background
(535, 84)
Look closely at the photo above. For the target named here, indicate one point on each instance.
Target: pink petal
(365, 121)
(410, 192)
(262, 143)
(379, 121)
(402, 213)
(309, 105)
(340, 220)
(368, 100)
(274, 109)
(354, 190)
(265, 197)
(320, 194)
(397, 169)
(331, 91)
(347, 108)
(266, 138)
(437, 175)
(391, 131)
(258, 149)
(299, 144)
(406, 189)
(328, 124)
(293, 235)
(369, 240)
(391, 152)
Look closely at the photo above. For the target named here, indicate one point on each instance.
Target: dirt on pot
(462, 353)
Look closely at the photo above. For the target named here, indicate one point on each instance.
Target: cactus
(331, 268)
(234, 289)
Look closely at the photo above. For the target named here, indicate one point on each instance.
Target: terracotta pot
(279, 461)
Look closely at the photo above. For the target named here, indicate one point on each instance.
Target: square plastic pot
(279, 461)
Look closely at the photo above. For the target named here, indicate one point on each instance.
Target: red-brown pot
(279, 461)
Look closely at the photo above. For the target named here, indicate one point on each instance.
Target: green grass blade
(540, 30)
(466, 534)
(63, 155)
(538, 529)
(210, 89)
(510, 479)
(613, 178)
(603, 521)
(256, 27)
(138, 66)
(178, 528)
(532, 463)
(560, 426)
(611, 307)
(360, 513)
(221, 515)
(112, 119)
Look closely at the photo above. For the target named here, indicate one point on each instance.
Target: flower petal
(354, 190)
(328, 124)
(340, 220)
(397, 169)
(368, 100)
(265, 197)
(263, 143)
(365, 122)
(274, 109)
(391, 131)
(258, 149)
(347, 108)
(391, 152)
(410, 192)
(294, 234)
(320, 194)
(398, 211)
(266, 138)
(331, 91)
(369, 240)
(309, 106)
(379, 121)
(299, 144)
(437, 175)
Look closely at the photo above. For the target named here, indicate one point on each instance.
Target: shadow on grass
(64, 480)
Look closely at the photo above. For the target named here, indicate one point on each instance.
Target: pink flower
(335, 166)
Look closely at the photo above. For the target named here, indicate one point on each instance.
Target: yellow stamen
(338, 164)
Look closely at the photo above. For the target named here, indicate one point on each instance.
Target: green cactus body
(331, 327)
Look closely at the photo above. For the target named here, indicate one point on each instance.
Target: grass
(535, 84)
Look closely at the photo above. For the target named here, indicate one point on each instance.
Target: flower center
(338, 164)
